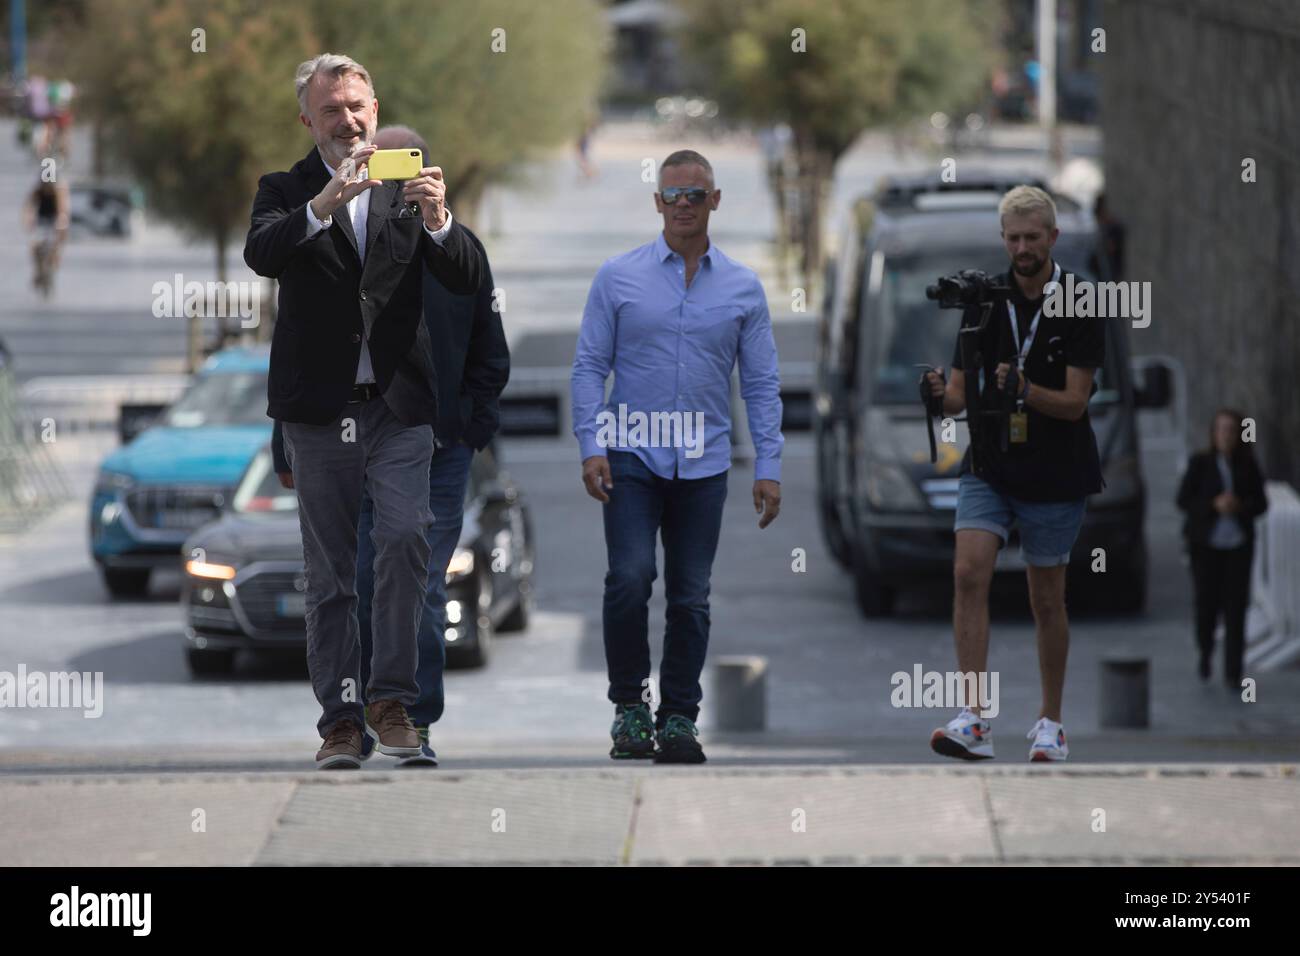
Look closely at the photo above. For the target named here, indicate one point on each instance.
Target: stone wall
(1191, 88)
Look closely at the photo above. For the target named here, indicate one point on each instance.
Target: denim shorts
(1048, 529)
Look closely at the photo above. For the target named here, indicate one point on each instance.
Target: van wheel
(1121, 590)
(874, 598)
(1126, 592)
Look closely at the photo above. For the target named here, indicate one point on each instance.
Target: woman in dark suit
(1222, 493)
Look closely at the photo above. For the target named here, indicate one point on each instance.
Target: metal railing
(31, 482)
(1275, 584)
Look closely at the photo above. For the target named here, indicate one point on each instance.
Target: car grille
(213, 618)
(178, 508)
(271, 600)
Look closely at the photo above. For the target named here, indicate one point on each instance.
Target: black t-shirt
(1059, 462)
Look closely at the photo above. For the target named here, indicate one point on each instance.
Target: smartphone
(394, 164)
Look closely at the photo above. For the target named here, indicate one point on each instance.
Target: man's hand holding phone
(430, 192)
(344, 185)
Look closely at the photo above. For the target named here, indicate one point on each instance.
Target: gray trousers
(365, 449)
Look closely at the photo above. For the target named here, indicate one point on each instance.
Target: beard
(336, 150)
(1028, 267)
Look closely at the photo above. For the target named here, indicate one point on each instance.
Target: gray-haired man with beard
(352, 381)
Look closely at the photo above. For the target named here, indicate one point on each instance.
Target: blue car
(176, 475)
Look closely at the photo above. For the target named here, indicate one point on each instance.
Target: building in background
(1202, 161)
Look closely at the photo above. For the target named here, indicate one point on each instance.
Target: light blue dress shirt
(672, 350)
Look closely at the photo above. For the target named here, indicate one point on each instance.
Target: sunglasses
(694, 195)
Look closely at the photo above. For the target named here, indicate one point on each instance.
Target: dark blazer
(470, 356)
(1201, 482)
(328, 300)
(471, 359)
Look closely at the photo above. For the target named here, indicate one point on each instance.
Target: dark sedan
(244, 581)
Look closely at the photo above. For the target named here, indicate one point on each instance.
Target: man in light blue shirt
(670, 319)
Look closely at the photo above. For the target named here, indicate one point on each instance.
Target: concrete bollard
(740, 693)
(1125, 692)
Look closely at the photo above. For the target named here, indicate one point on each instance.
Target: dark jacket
(1201, 482)
(470, 358)
(327, 299)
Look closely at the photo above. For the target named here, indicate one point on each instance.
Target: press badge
(1019, 427)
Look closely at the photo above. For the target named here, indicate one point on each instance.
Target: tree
(488, 83)
(196, 117)
(831, 69)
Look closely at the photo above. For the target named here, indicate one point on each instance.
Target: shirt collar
(330, 169)
(663, 251)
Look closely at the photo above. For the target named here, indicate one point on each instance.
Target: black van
(886, 511)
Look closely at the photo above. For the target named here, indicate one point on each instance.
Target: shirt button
(355, 337)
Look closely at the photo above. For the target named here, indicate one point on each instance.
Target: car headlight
(462, 563)
(890, 489)
(1123, 483)
(112, 482)
(211, 570)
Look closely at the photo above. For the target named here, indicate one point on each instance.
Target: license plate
(292, 605)
(186, 519)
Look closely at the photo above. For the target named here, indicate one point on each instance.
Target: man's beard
(1030, 268)
(339, 150)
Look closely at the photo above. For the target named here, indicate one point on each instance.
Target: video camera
(963, 290)
(966, 288)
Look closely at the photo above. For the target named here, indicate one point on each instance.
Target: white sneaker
(1049, 741)
(966, 737)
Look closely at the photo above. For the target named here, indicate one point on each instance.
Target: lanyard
(1022, 351)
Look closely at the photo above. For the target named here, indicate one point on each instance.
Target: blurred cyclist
(46, 213)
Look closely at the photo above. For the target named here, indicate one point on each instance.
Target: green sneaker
(633, 732)
(679, 742)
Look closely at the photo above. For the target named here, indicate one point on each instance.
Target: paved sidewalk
(607, 814)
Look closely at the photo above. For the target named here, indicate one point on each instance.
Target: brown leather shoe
(342, 747)
(390, 727)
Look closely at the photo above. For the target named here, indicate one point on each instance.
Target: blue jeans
(687, 514)
(448, 475)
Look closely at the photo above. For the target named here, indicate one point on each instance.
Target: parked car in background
(180, 472)
(886, 511)
(102, 209)
(245, 587)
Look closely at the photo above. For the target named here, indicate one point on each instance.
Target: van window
(902, 329)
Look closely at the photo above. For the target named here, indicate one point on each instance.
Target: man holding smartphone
(352, 381)
(472, 360)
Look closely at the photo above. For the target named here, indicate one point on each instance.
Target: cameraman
(1041, 479)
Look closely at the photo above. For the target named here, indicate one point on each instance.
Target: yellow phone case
(394, 164)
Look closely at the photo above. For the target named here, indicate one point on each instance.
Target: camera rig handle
(933, 405)
(972, 362)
